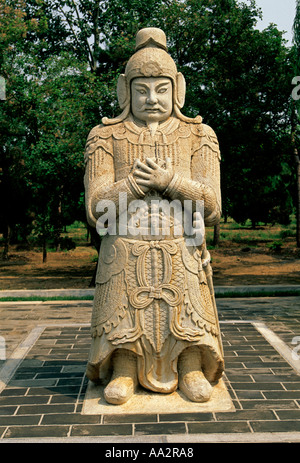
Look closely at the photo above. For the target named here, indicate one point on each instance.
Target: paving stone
(271, 378)
(218, 427)
(74, 368)
(275, 426)
(102, 430)
(186, 417)
(250, 394)
(284, 370)
(109, 419)
(78, 356)
(70, 418)
(282, 394)
(256, 386)
(233, 364)
(33, 382)
(24, 376)
(242, 378)
(57, 390)
(10, 410)
(44, 398)
(63, 399)
(271, 359)
(292, 386)
(61, 363)
(41, 409)
(238, 348)
(288, 414)
(11, 392)
(237, 372)
(36, 431)
(268, 404)
(234, 360)
(160, 428)
(236, 404)
(59, 374)
(73, 381)
(246, 415)
(20, 420)
(257, 362)
(23, 400)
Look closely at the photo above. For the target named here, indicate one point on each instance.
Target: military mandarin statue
(154, 321)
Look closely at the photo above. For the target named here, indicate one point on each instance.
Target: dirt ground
(233, 264)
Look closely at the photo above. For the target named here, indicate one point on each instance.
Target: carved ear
(123, 91)
(180, 84)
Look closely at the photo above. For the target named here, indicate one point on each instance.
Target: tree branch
(91, 54)
(75, 35)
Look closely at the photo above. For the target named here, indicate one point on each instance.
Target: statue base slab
(148, 402)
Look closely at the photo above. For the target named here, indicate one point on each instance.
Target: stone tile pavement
(43, 353)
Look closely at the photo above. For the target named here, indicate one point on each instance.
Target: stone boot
(124, 378)
(192, 381)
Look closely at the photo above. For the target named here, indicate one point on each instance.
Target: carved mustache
(156, 108)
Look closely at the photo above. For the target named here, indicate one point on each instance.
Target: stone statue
(154, 320)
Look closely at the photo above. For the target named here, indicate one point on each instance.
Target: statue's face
(151, 98)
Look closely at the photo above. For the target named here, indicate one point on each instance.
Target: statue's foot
(192, 381)
(124, 379)
(195, 386)
(119, 390)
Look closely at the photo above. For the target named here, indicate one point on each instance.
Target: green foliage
(296, 38)
(276, 246)
(286, 234)
(240, 85)
(61, 61)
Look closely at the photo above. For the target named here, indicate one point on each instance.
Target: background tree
(238, 79)
(61, 60)
(295, 116)
(14, 196)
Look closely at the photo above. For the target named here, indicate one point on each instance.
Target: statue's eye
(162, 90)
(141, 91)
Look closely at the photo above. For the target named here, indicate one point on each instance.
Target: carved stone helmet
(150, 59)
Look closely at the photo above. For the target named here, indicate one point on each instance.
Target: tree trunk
(7, 236)
(44, 250)
(59, 220)
(297, 166)
(216, 234)
(297, 160)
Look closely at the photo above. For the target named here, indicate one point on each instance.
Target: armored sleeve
(99, 179)
(204, 184)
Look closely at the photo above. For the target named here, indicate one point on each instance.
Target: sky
(279, 12)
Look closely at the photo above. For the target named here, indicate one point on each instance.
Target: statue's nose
(152, 98)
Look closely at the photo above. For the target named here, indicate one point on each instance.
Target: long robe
(154, 294)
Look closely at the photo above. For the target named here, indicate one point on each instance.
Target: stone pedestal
(144, 402)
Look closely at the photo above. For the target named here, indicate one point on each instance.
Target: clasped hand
(150, 175)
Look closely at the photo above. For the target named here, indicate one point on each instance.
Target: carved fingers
(151, 175)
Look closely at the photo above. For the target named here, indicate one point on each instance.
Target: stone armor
(154, 294)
